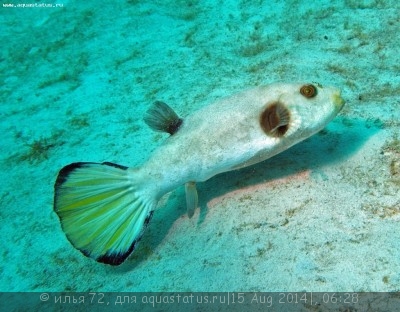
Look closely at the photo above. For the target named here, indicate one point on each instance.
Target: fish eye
(309, 91)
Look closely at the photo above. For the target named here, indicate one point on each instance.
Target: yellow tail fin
(101, 210)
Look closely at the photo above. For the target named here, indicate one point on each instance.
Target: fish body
(227, 135)
(104, 208)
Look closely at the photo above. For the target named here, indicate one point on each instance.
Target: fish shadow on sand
(334, 144)
(338, 141)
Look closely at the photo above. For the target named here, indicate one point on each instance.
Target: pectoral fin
(191, 198)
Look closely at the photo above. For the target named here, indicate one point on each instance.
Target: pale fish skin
(229, 134)
(226, 135)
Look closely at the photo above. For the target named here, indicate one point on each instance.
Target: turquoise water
(322, 216)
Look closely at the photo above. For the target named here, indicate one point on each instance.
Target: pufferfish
(105, 207)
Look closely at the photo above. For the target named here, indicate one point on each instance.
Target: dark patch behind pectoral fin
(191, 198)
(161, 117)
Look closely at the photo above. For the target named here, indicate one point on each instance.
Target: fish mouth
(338, 101)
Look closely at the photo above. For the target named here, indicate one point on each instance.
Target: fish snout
(337, 100)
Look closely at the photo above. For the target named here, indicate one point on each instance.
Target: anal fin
(191, 198)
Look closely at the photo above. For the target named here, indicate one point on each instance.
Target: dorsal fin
(161, 117)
